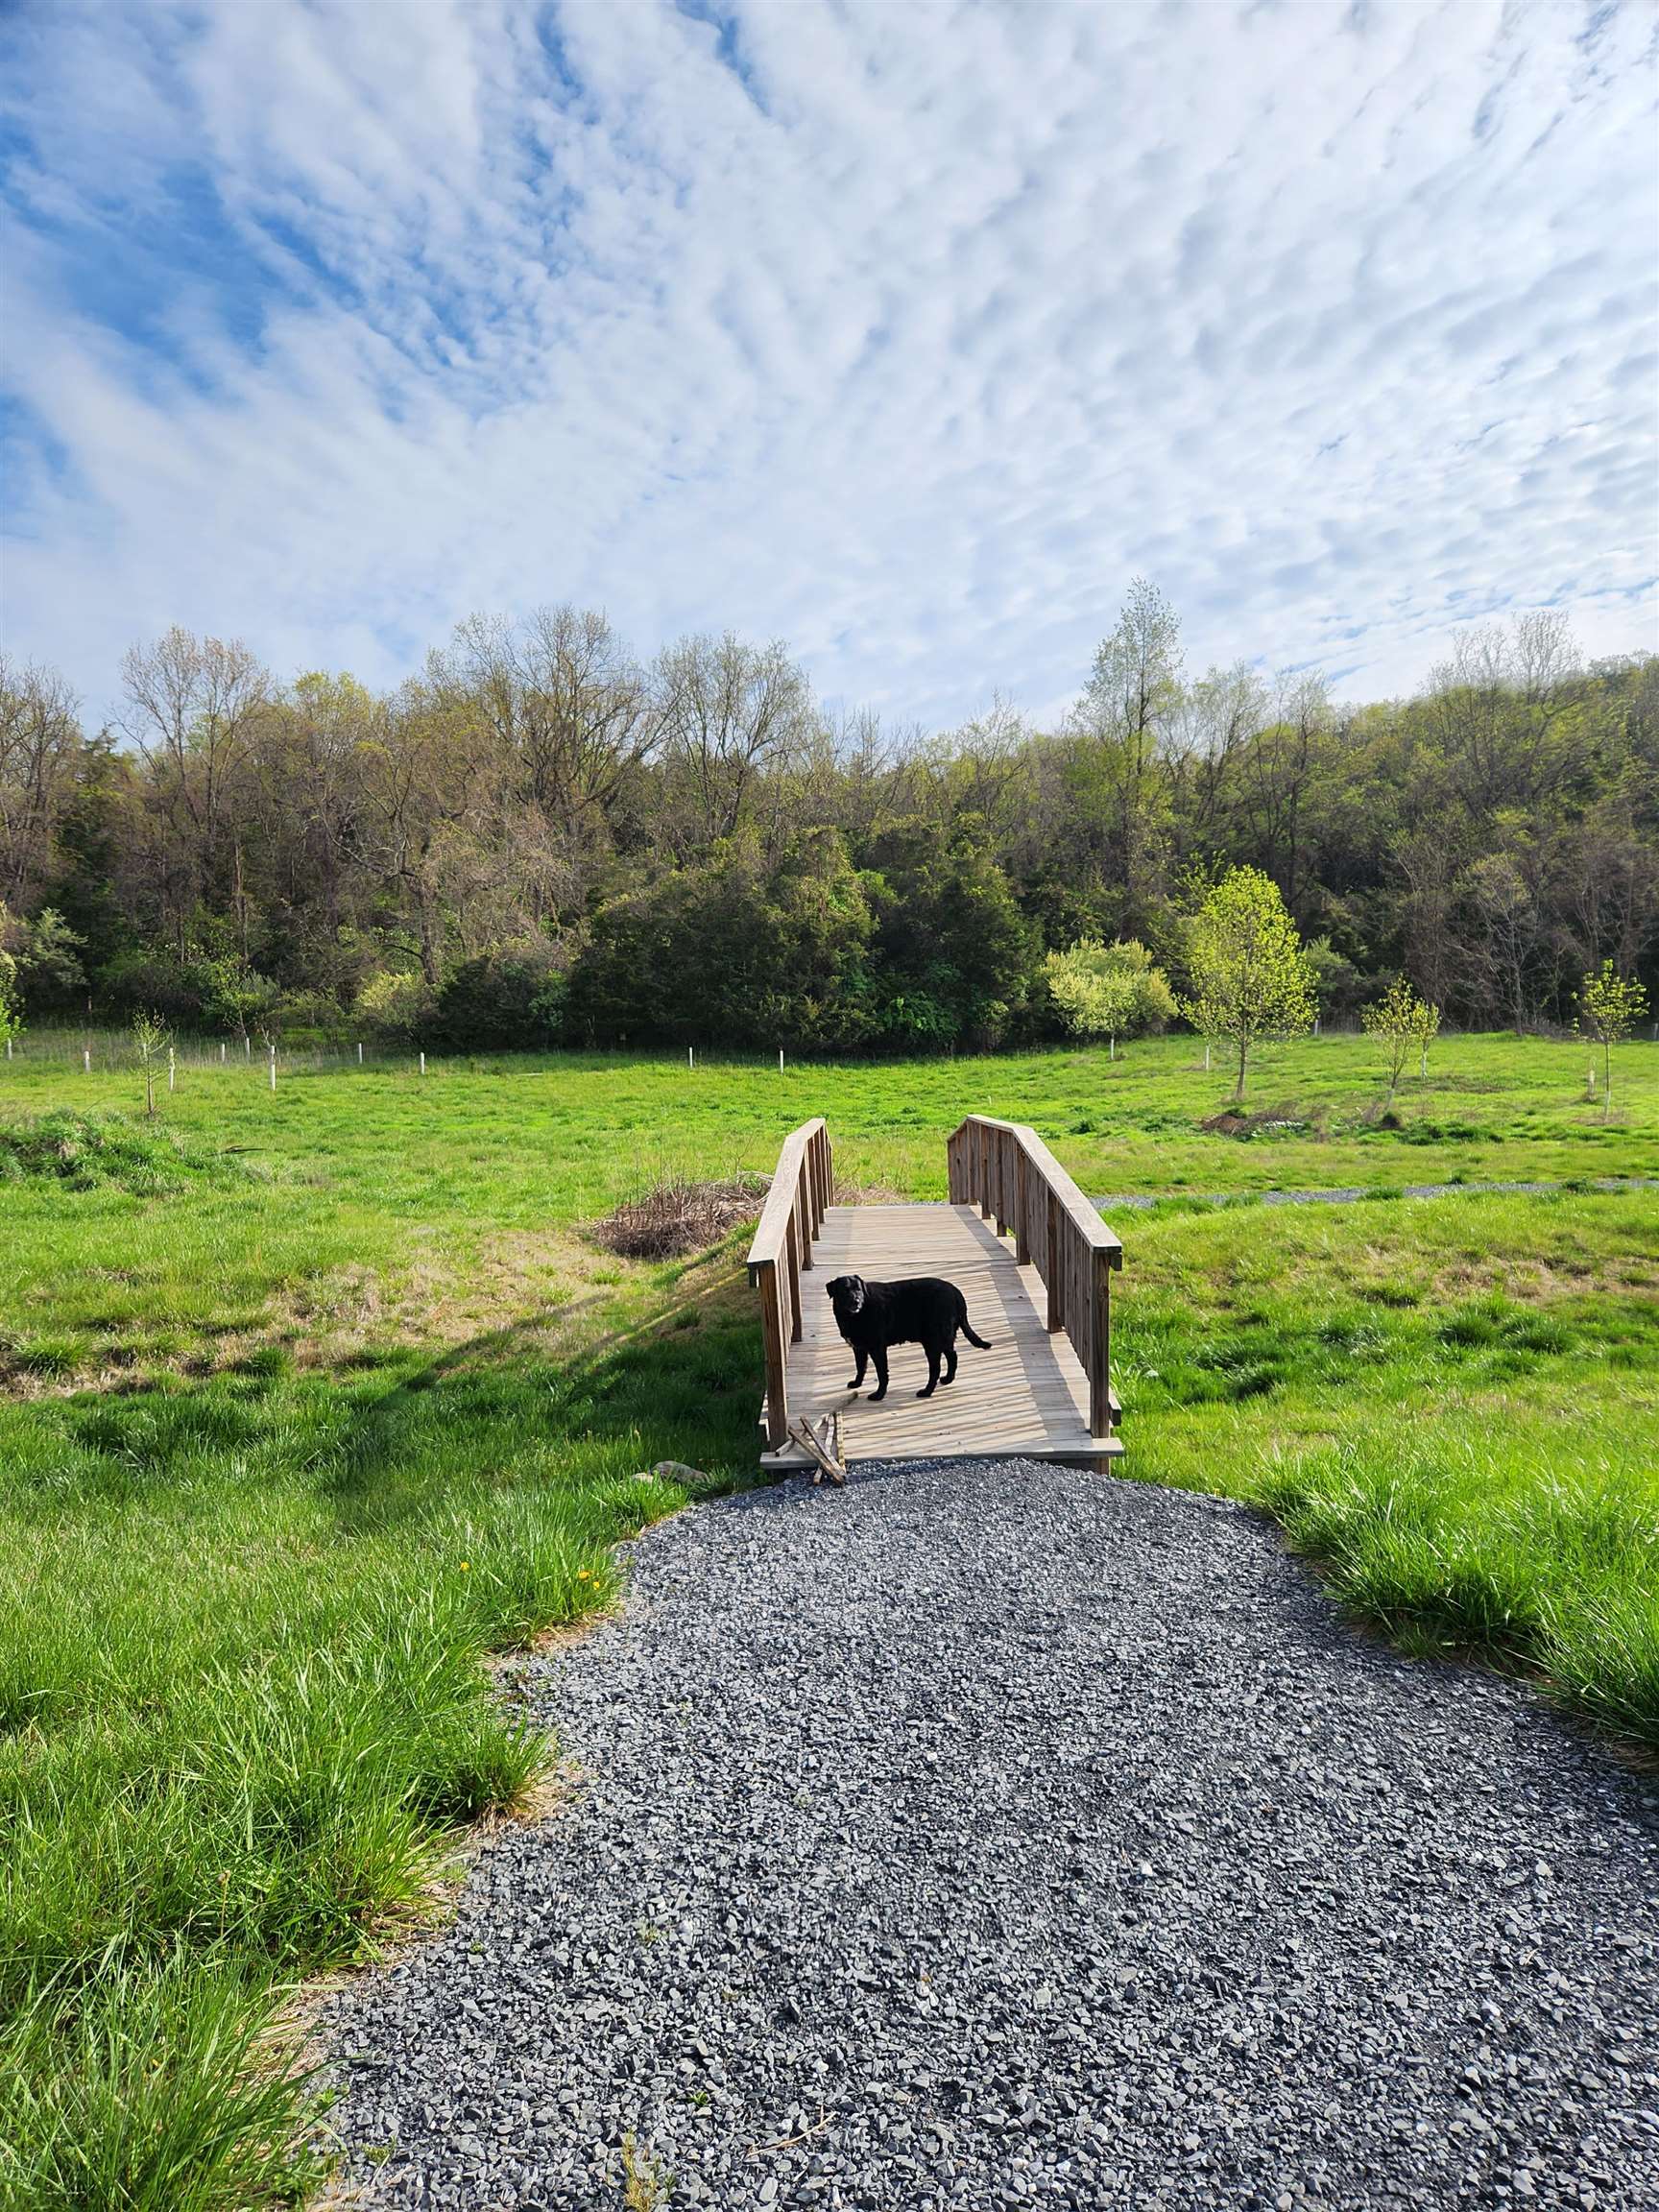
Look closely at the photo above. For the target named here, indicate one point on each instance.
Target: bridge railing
(1005, 1169)
(801, 1187)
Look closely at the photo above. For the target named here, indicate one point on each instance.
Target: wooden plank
(770, 1230)
(1029, 1396)
(1073, 1204)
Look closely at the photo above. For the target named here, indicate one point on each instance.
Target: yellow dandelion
(464, 1566)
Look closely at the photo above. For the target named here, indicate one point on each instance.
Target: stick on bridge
(1031, 1256)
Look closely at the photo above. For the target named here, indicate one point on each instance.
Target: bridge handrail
(801, 1187)
(1005, 1169)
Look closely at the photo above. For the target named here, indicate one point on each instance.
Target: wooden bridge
(1031, 1256)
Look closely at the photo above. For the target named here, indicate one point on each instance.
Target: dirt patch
(676, 1216)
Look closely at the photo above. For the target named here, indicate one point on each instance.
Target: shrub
(511, 997)
(1110, 989)
(398, 1006)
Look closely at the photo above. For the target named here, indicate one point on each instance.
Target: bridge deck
(1028, 1397)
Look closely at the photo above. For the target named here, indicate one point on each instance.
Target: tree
(1126, 716)
(1250, 975)
(39, 744)
(50, 963)
(11, 1016)
(731, 715)
(1401, 1020)
(151, 1037)
(1610, 1006)
(1109, 991)
(191, 705)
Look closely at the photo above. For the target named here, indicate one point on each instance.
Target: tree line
(545, 839)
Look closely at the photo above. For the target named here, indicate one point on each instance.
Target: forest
(542, 839)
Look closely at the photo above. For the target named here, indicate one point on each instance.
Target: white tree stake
(359, 1055)
(172, 1071)
(779, 1059)
(273, 1067)
(1206, 1059)
(87, 1058)
(221, 1051)
(423, 1063)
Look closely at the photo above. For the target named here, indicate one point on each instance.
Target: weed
(646, 2182)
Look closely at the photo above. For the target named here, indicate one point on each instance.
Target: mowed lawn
(313, 1404)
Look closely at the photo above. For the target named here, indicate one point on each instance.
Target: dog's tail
(982, 1343)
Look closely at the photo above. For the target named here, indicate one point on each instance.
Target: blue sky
(907, 334)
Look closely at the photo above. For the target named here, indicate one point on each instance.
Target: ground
(314, 1400)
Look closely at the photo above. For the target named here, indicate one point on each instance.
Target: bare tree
(730, 714)
(567, 704)
(190, 704)
(1219, 718)
(39, 740)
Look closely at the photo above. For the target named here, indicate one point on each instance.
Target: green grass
(311, 1404)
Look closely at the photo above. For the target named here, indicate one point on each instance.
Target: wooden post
(1099, 1347)
(795, 1258)
(1056, 1269)
(772, 1331)
(1022, 1205)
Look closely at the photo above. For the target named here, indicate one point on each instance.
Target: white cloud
(907, 335)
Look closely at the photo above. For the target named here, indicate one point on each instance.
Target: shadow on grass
(684, 1385)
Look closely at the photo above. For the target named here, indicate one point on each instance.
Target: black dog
(926, 1311)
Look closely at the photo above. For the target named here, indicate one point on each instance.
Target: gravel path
(996, 1834)
(1351, 1194)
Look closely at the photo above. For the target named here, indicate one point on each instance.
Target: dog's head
(847, 1295)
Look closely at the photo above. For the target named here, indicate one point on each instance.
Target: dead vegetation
(677, 1216)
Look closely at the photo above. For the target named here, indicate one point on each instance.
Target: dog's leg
(932, 1351)
(949, 1374)
(878, 1354)
(864, 1358)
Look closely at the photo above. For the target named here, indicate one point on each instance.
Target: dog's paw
(876, 1396)
(854, 1385)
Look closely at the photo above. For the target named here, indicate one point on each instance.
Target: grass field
(312, 1402)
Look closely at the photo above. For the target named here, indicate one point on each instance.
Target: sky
(907, 334)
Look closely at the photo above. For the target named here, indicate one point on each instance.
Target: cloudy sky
(907, 335)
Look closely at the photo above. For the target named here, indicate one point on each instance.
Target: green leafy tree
(233, 994)
(1610, 1006)
(1399, 1020)
(11, 1015)
(1249, 973)
(50, 962)
(1109, 991)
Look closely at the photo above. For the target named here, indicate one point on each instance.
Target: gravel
(991, 1834)
(1353, 1194)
